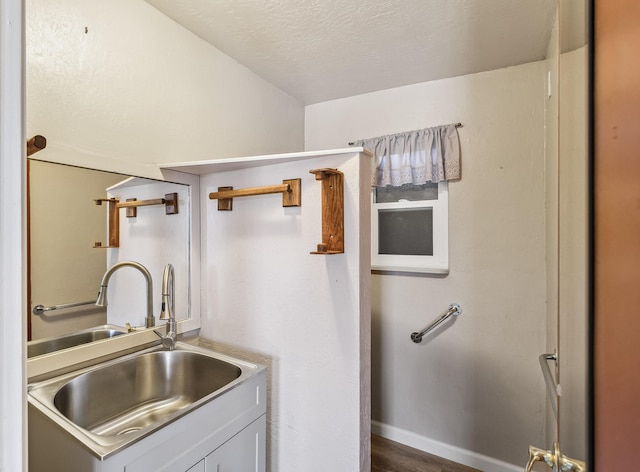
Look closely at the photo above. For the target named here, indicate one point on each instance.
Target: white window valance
(415, 157)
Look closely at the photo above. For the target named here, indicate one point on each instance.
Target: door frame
(13, 442)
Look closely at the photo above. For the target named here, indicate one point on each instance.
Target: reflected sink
(111, 405)
(47, 345)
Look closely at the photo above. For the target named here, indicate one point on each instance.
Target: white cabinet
(199, 467)
(245, 452)
(226, 434)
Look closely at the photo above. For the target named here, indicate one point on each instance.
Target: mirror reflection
(70, 251)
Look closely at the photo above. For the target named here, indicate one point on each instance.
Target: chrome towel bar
(40, 309)
(454, 309)
(553, 389)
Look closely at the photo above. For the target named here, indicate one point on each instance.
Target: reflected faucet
(168, 309)
(102, 293)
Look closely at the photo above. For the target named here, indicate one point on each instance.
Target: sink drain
(129, 430)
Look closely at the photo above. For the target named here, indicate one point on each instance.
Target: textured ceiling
(319, 50)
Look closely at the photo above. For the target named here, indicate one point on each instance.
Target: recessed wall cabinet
(227, 433)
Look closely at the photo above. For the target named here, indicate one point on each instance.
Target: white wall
(306, 316)
(475, 385)
(119, 80)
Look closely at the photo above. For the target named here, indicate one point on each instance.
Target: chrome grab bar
(454, 309)
(41, 309)
(553, 389)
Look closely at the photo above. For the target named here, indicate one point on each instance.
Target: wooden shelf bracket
(170, 202)
(113, 223)
(290, 190)
(332, 211)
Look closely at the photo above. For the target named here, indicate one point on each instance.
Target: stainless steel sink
(132, 394)
(111, 405)
(47, 345)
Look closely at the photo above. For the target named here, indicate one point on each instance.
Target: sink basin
(133, 394)
(111, 405)
(47, 345)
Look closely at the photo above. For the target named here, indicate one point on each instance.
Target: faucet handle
(170, 337)
(554, 460)
(131, 329)
(572, 465)
(538, 455)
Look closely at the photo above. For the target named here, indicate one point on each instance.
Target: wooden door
(616, 427)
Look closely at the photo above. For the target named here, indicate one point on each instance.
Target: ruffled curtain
(415, 157)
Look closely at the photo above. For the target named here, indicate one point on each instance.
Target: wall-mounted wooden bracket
(290, 190)
(113, 223)
(35, 144)
(170, 202)
(332, 211)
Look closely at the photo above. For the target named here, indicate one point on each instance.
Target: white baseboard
(440, 449)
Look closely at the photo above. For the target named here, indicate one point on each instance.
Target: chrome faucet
(102, 293)
(168, 309)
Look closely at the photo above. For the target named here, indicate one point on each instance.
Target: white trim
(89, 159)
(238, 163)
(436, 264)
(365, 315)
(13, 412)
(440, 449)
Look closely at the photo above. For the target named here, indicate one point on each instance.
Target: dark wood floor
(390, 456)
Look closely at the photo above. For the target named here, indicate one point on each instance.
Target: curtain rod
(457, 125)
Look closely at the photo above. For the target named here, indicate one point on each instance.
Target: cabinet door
(244, 452)
(199, 467)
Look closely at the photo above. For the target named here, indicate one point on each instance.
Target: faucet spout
(102, 293)
(168, 309)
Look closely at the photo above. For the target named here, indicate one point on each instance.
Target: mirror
(66, 269)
